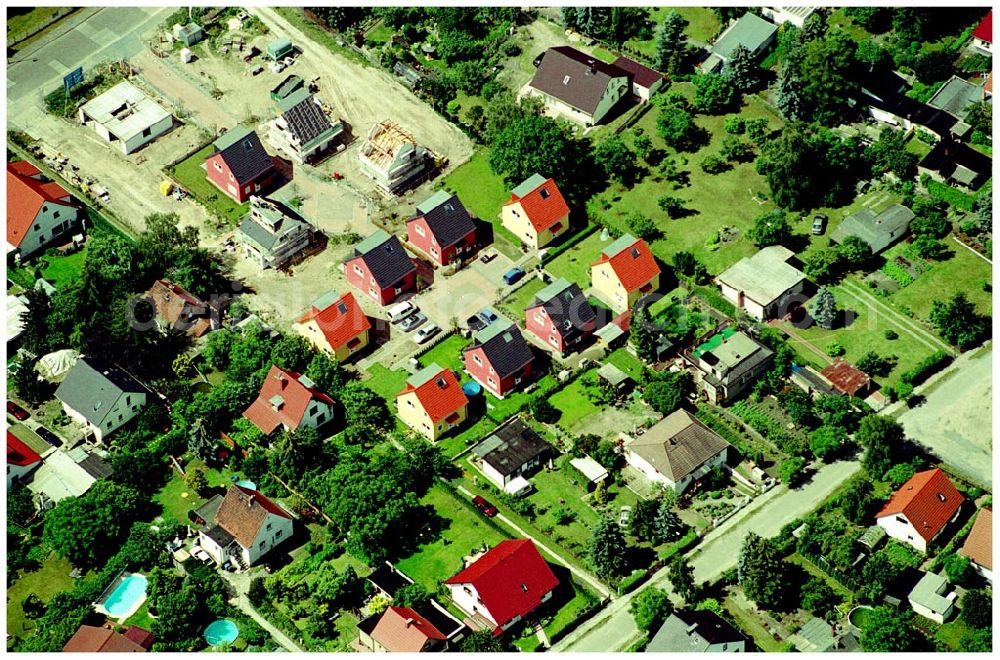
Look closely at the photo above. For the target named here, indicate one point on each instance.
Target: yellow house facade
(335, 326)
(536, 213)
(625, 273)
(433, 402)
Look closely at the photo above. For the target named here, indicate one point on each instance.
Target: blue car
(513, 275)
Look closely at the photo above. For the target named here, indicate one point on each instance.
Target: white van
(399, 312)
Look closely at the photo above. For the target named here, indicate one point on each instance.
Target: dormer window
(565, 80)
(544, 193)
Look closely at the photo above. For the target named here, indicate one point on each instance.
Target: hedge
(716, 300)
(575, 240)
(950, 196)
(930, 365)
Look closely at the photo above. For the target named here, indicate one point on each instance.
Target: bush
(834, 349)
(713, 164)
(926, 368)
(734, 125)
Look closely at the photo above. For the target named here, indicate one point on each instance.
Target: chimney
(250, 502)
(691, 629)
(410, 621)
(593, 66)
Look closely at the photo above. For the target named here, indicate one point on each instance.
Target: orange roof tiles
(25, 197)
(92, 639)
(440, 395)
(634, 265)
(401, 630)
(544, 205)
(928, 500)
(292, 391)
(340, 321)
(180, 308)
(979, 543)
(846, 378)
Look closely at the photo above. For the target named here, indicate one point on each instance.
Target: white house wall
(267, 539)
(899, 528)
(466, 598)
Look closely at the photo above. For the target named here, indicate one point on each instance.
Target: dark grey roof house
(447, 218)
(578, 86)
(303, 130)
(101, 396)
(385, 258)
(504, 346)
(242, 152)
(272, 234)
(676, 451)
(957, 163)
(513, 451)
(697, 632)
(878, 230)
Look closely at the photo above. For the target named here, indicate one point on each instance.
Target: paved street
(613, 628)
(955, 422)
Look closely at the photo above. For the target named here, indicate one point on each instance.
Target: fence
(834, 572)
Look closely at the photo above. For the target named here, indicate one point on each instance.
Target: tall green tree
(615, 158)
(977, 608)
(882, 437)
(824, 309)
(643, 333)
(742, 70)
(887, 630)
(714, 93)
(607, 550)
(671, 44)
(88, 528)
(958, 322)
(771, 228)
(650, 608)
(681, 576)
(760, 572)
(827, 441)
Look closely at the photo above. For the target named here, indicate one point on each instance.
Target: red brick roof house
(645, 81)
(242, 527)
(336, 325)
(180, 310)
(381, 268)
(847, 379)
(21, 459)
(625, 272)
(560, 316)
(503, 586)
(499, 358)
(240, 166)
(536, 212)
(94, 639)
(921, 509)
(402, 630)
(433, 402)
(978, 546)
(38, 212)
(290, 401)
(442, 229)
(982, 36)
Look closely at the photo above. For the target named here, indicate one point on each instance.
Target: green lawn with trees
(190, 174)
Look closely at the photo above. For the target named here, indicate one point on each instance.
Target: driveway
(613, 628)
(241, 584)
(955, 421)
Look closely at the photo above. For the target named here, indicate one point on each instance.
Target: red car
(19, 413)
(488, 509)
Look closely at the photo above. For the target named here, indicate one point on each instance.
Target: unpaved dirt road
(955, 422)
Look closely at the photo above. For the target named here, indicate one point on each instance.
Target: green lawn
(21, 25)
(815, 570)
(574, 263)
(447, 354)
(866, 332)
(715, 200)
(483, 193)
(175, 507)
(554, 489)
(141, 618)
(951, 633)
(964, 272)
(573, 404)
(465, 530)
(386, 383)
(751, 625)
(702, 26)
(501, 409)
(627, 362)
(190, 173)
(52, 578)
(839, 19)
(515, 304)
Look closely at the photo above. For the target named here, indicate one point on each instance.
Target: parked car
(475, 323)
(19, 413)
(819, 224)
(513, 275)
(488, 509)
(488, 315)
(256, 70)
(426, 333)
(412, 321)
(49, 437)
(624, 515)
(202, 556)
(487, 256)
(399, 312)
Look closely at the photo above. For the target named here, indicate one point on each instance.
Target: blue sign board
(73, 78)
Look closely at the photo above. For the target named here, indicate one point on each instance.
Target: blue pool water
(125, 596)
(221, 631)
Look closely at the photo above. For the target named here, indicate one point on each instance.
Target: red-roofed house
(978, 546)
(504, 586)
(536, 212)
(180, 310)
(921, 509)
(38, 212)
(982, 36)
(433, 402)
(242, 527)
(337, 326)
(625, 272)
(21, 459)
(291, 401)
(95, 639)
(401, 630)
(847, 379)
(645, 81)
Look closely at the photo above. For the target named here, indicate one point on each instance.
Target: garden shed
(279, 48)
(593, 471)
(619, 381)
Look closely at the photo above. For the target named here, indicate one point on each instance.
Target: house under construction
(125, 117)
(392, 158)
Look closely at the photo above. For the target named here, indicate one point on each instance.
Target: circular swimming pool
(221, 631)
